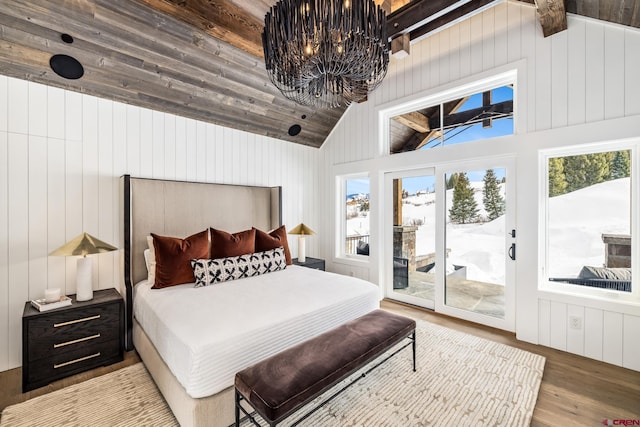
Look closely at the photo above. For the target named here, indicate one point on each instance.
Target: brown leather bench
(278, 386)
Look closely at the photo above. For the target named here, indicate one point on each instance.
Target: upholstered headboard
(178, 208)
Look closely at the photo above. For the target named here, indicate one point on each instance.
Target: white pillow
(150, 258)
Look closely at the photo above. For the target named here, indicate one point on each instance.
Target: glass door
(478, 242)
(411, 232)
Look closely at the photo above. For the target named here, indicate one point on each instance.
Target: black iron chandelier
(326, 53)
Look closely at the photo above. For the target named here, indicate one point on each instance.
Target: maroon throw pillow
(174, 255)
(272, 240)
(224, 244)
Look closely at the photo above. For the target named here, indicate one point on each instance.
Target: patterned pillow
(210, 271)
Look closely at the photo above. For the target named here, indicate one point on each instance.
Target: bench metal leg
(413, 345)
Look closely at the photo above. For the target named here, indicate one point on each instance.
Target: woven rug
(462, 380)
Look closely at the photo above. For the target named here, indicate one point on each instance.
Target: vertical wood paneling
(18, 114)
(576, 85)
(529, 35)
(631, 67)
(454, 53)
(614, 86)
(593, 323)
(513, 32)
(445, 73)
(544, 326)
(56, 202)
(612, 338)
(37, 104)
(594, 71)
(542, 80)
(575, 337)
(106, 219)
(558, 318)
(18, 238)
(500, 34)
(631, 342)
(37, 216)
(55, 112)
(559, 80)
(477, 52)
(53, 188)
(4, 241)
(435, 60)
(4, 103)
(488, 40)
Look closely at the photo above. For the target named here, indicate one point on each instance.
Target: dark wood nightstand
(316, 263)
(72, 339)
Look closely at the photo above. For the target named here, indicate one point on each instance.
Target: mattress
(205, 335)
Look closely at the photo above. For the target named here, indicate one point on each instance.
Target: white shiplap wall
(582, 81)
(61, 154)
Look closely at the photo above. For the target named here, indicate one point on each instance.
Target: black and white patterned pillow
(210, 271)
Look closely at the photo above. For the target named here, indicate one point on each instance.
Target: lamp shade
(84, 244)
(302, 229)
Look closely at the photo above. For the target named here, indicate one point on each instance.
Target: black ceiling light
(326, 53)
(66, 66)
(66, 38)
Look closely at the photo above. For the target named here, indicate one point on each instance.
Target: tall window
(589, 209)
(356, 216)
(473, 117)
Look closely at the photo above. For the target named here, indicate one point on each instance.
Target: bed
(230, 325)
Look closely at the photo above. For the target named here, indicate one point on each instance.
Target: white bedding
(205, 335)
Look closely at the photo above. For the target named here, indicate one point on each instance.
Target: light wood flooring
(575, 391)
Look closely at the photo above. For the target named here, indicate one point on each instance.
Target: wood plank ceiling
(202, 58)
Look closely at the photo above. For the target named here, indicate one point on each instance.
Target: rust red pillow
(174, 255)
(272, 240)
(225, 245)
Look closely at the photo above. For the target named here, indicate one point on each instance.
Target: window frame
(554, 287)
(341, 217)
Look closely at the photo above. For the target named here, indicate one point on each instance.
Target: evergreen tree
(451, 182)
(491, 197)
(557, 182)
(584, 170)
(464, 208)
(621, 164)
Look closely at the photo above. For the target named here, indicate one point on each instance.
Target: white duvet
(205, 335)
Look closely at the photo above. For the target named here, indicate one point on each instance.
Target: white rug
(462, 380)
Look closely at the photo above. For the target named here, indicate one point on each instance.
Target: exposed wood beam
(219, 18)
(448, 18)
(401, 46)
(552, 16)
(415, 120)
(486, 102)
(412, 14)
(473, 116)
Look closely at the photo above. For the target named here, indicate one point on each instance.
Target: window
(477, 116)
(356, 216)
(589, 219)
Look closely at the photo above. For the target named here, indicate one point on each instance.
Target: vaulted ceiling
(203, 58)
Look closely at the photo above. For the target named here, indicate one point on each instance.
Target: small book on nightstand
(43, 305)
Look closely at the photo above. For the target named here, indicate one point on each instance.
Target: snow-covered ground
(576, 223)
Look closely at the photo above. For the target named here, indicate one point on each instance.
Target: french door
(450, 239)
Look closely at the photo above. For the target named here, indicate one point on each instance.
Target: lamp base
(301, 251)
(84, 287)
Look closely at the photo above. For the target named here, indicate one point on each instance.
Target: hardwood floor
(574, 390)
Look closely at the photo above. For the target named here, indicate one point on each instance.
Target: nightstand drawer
(48, 345)
(72, 325)
(70, 362)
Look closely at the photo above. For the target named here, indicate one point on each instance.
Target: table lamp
(83, 245)
(301, 230)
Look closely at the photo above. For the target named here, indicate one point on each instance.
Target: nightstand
(316, 263)
(72, 339)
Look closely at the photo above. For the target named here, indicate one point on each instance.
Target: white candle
(52, 295)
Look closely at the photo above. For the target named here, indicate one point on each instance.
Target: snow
(576, 223)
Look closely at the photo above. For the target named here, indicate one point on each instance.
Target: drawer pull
(62, 344)
(71, 322)
(71, 362)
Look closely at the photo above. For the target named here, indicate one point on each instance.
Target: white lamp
(83, 245)
(301, 230)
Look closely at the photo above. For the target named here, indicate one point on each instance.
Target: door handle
(512, 251)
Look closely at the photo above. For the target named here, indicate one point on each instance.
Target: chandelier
(326, 53)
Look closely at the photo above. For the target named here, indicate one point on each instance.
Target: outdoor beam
(415, 120)
(448, 18)
(552, 16)
(412, 14)
(472, 116)
(397, 201)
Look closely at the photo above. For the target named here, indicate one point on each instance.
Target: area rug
(462, 380)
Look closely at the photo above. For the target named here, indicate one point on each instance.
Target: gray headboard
(178, 208)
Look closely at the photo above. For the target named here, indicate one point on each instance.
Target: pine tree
(491, 197)
(464, 208)
(451, 182)
(584, 170)
(621, 164)
(557, 182)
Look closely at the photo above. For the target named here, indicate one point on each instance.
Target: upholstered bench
(278, 386)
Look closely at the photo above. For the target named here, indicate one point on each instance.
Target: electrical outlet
(575, 322)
